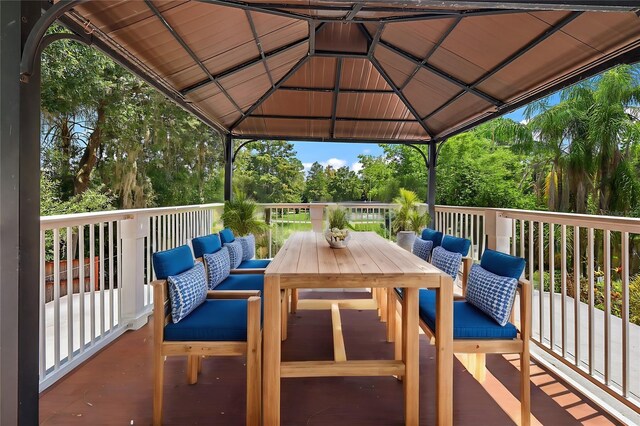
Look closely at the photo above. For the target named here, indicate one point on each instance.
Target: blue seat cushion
(226, 235)
(206, 245)
(222, 320)
(456, 244)
(469, 322)
(502, 264)
(242, 282)
(432, 235)
(172, 262)
(254, 263)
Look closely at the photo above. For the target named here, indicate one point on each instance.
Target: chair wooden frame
(478, 348)
(195, 351)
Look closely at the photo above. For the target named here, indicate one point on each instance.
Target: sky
(346, 154)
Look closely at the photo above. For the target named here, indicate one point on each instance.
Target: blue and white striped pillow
(248, 246)
(235, 253)
(187, 291)
(492, 294)
(218, 266)
(447, 261)
(422, 248)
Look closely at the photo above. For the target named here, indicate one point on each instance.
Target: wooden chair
(492, 338)
(212, 318)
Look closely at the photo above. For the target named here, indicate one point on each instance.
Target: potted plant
(337, 234)
(240, 216)
(406, 216)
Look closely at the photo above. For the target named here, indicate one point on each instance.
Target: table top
(368, 255)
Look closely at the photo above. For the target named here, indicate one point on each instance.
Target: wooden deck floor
(114, 387)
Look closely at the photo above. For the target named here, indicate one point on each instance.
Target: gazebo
(410, 71)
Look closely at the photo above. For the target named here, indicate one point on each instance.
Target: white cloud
(335, 163)
(366, 151)
(307, 167)
(356, 167)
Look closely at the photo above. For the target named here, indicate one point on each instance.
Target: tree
(270, 173)
(316, 184)
(344, 184)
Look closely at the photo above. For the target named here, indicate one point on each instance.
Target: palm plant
(240, 216)
(406, 202)
(417, 222)
(338, 219)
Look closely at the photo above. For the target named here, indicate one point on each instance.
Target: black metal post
(431, 190)
(228, 167)
(426, 165)
(19, 217)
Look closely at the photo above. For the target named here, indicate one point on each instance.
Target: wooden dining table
(369, 261)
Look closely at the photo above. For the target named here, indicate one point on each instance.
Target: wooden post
(271, 365)
(444, 351)
(410, 355)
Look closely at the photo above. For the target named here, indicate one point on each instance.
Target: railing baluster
(552, 283)
(541, 280)
(81, 284)
(69, 256)
(111, 274)
(42, 338)
(590, 280)
(563, 288)
(119, 271)
(102, 271)
(607, 307)
(624, 272)
(92, 280)
(576, 295)
(56, 298)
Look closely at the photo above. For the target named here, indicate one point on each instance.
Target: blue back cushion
(447, 261)
(187, 291)
(218, 266)
(502, 264)
(172, 262)
(491, 293)
(206, 245)
(456, 244)
(226, 235)
(432, 235)
(422, 248)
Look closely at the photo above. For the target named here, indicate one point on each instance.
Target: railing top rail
(50, 222)
(468, 210)
(614, 223)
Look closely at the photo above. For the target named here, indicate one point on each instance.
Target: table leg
(271, 360)
(444, 351)
(410, 352)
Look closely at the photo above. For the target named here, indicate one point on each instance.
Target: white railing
(596, 334)
(94, 274)
(464, 222)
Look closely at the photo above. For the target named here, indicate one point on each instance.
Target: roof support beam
(191, 53)
(354, 11)
(270, 92)
(244, 66)
(336, 91)
(343, 55)
(373, 42)
(333, 119)
(312, 37)
(399, 94)
(431, 51)
(451, 79)
(328, 90)
(548, 33)
(256, 37)
(336, 140)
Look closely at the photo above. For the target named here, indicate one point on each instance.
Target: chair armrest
(158, 284)
(232, 294)
(524, 289)
(248, 271)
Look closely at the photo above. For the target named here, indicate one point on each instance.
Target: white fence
(94, 274)
(585, 308)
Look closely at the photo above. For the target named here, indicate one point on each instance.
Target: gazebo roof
(374, 71)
